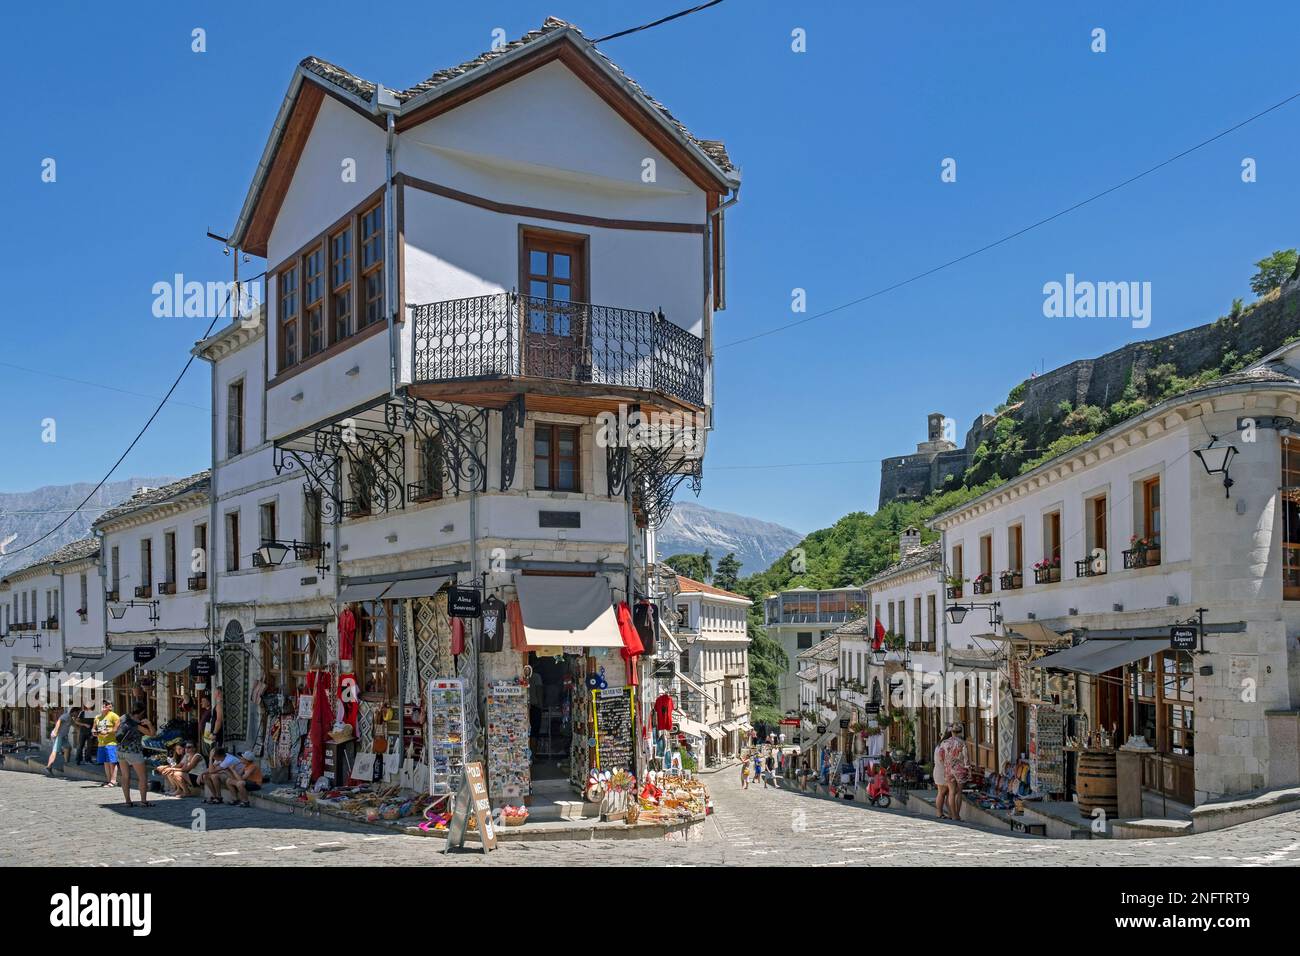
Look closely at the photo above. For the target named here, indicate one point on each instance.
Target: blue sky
(840, 147)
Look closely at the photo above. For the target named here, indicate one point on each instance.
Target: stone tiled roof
(365, 89)
(928, 554)
(198, 483)
(69, 552)
(1256, 375)
(861, 625)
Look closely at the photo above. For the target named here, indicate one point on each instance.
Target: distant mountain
(26, 515)
(691, 528)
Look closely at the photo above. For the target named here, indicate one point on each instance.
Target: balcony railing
(51, 623)
(1141, 558)
(508, 335)
(982, 584)
(1088, 568)
(166, 587)
(143, 591)
(112, 596)
(198, 583)
(954, 591)
(425, 490)
(1047, 575)
(1011, 580)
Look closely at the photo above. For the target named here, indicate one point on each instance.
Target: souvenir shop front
(537, 678)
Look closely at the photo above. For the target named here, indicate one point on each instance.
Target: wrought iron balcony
(51, 623)
(143, 591)
(425, 490)
(1088, 568)
(112, 596)
(198, 583)
(1141, 558)
(518, 336)
(1047, 575)
(983, 584)
(1012, 580)
(166, 587)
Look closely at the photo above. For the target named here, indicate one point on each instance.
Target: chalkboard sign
(613, 708)
(464, 602)
(472, 798)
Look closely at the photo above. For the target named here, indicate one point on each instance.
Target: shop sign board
(1183, 638)
(464, 602)
(203, 666)
(844, 723)
(472, 799)
(821, 728)
(790, 722)
(872, 708)
(144, 653)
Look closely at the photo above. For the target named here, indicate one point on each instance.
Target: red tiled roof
(689, 585)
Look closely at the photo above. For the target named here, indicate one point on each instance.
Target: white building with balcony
(800, 618)
(154, 586)
(713, 634)
(1112, 544)
(477, 287)
(51, 613)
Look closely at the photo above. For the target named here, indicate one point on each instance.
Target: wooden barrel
(1096, 782)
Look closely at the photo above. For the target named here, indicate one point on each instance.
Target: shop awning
(691, 728)
(290, 624)
(416, 588)
(825, 738)
(351, 593)
(569, 612)
(1030, 631)
(1097, 657)
(175, 660)
(715, 732)
(109, 666)
(731, 727)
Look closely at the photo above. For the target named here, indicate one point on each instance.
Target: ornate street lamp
(1217, 459)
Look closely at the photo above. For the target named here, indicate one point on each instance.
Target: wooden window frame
(1151, 514)
(1052, 537)
(1016, 548)
(554, 458)
(316, 280)
(376, 267)
(365, 631)
(288, 312)
(232, 541)
(235, 418)
(169, 559)
(313, 520)
(146, 564)
(332, 287)
(265, 508)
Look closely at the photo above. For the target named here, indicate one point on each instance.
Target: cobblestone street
(47, 821)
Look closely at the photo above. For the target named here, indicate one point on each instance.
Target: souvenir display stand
(446, 735)
(509, 758)
(1046, 749)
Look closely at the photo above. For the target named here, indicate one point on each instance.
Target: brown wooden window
(430, 468)
(201, 546)
(169, 560)
(115, 566)
(1291, 519)
(1098, 518)
(312, 522)
(958, 572)
(372, 265)
(1052, 536)
(287, 281)
(298, 652)
(932, 623)
(234, 419)
(556, 458)
(232, 541)
(146, 566)
(266, 521)
(377, 651)
(1151, 510)
(341, 283)
(313, 300)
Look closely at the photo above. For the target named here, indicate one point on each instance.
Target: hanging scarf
(347, 638)
(318, 685)
(515, 619)
(632, 646)
(457, 637)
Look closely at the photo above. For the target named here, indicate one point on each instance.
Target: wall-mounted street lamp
(1217, 459)
(957, 612)
(272, 553)
(119, 609)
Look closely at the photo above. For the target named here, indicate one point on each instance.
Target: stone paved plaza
(47, 821)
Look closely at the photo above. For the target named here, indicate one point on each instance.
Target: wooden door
(554, 313)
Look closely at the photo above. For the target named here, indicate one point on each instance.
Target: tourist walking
(61, 736)
(744, 775)
(940, 781)
(956, 767)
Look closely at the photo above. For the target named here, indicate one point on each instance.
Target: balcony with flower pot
(983, 584)
(1011, 580)
(1047, 571)
(1144, 552)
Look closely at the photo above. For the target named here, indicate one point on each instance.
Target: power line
(1014, 235)
(659, 22)
(134, 441)
(82, 381)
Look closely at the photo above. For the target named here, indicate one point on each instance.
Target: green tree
(767, 662)
(692, 565)
(727, 572)
(1273, 271)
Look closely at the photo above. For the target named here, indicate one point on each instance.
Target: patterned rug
(365, 725)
